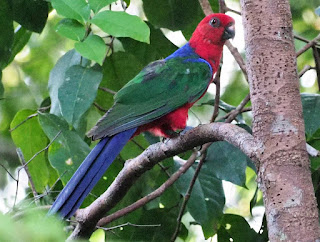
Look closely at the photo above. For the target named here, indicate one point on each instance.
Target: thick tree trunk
(284, 174)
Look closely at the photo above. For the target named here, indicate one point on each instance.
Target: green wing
(160, 88)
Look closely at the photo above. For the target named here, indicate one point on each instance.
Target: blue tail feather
(89, 173)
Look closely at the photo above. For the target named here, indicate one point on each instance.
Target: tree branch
(87, 218)
(206, 7)
(308, 46)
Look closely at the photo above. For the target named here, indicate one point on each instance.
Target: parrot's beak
(229, 32)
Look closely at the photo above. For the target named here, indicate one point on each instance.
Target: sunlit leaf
(122, 24)
(30, 138)
(78, 91)
(78, 10)
(34, 227)
(92, 48)
(71, 29)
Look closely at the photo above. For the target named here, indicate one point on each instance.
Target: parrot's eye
(215, 22)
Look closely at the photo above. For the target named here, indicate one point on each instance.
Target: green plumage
(160, 88)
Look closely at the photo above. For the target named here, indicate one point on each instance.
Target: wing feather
(157, 90)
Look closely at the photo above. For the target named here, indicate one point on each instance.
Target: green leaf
(207, 199)
(311, 114)
(31, 14)
(227, 162)
(96, 5)
(21, 38)
(78, 91)
(71, 29)
(122, 24)
(92, 48)
(6, 30)
(236, 228)
(78, 10)
(68, 151)
(31, 139)
(57, 77)
(32, 227)
(173, 14)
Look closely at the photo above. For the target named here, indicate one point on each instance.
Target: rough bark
(284, 174)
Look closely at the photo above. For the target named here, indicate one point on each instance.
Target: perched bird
(156, 100)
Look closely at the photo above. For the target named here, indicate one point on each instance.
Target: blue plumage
(89, 173)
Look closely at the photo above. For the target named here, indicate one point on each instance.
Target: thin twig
(40, 151)
(129, 224)
(99, 107)
(188, 193)
(233, 11)
(217, 97)
(42, 109)
(206, 7)
(309, 45)
(237, 56)
(18, 125)
(105, 89)
(23, 162)
(304, 70)
(238, 109)
(8, 172)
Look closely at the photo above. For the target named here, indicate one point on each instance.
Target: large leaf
(71, 29)
(122, 24)
(78, 91)
(173, 14)
(227, 162)
(31, 14)
(236, 228)
(31, 139)
(78, 10)
(311, 114)
(57, 77)
(207, 199)
(96, 5)
(68, 151)
(92, 48)
(6, 30)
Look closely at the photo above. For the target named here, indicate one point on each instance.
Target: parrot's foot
(173, 134)
(186, 129)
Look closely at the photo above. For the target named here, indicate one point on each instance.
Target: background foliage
(60, 62)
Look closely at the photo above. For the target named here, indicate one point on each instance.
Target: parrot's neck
(207, 50)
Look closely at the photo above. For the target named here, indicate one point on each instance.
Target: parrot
(156, 100)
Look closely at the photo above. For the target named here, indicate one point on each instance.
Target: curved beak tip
(229, 32)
